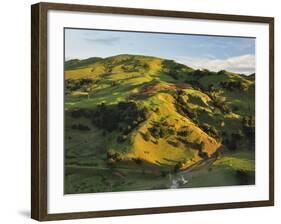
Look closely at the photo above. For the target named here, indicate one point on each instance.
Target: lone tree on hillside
(202, 153)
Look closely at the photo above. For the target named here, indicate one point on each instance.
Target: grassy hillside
(131, 115)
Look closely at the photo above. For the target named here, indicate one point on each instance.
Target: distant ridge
(76, 63)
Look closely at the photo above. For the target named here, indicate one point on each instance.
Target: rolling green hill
(138, 113)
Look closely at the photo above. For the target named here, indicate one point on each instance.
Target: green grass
(146, 82)
(243, 161)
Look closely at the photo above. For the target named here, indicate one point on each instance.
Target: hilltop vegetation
(145, 117)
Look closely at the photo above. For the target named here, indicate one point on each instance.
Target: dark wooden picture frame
(39, 149)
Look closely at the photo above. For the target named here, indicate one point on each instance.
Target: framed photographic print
(139, 111)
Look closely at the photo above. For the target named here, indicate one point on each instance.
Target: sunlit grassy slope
(195, 112)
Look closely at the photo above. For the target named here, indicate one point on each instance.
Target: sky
(235, 54)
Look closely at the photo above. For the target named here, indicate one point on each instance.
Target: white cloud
(240, 64)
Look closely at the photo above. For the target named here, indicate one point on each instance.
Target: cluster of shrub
(195, 84)
(228, 85)
(112, 157)
(183, 108)
(173, 69)
(111, 154)
(108, 69)
(134, 66)
(146, 136)
(234, 85)
(78, 84)
(233, 141)
(247, 132)
(183, 133)
(80, 127)
(248, 126)
(160, 130)
(178, 166)
(124, 116)
(202, 153)
(110, 117)
(220, 103)
(201, 73)
(127, 64)
(194, 144)
(210, 130)
(178, 71)
(196, 75)
(211, 91)
(77, 113)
